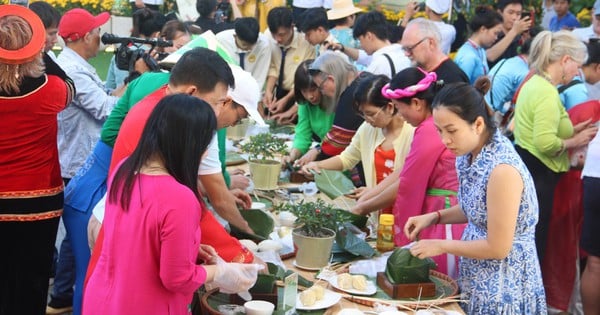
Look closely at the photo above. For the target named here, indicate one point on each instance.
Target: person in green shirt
(543, 131)
(314, 120)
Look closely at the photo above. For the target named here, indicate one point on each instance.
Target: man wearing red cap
(79, 125)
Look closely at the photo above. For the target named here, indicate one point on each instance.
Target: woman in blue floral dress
(499, 271)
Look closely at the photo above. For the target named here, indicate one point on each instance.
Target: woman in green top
(543, 131)
(314, 119)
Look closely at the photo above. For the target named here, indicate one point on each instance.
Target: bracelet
(318, 148)
(439, 217)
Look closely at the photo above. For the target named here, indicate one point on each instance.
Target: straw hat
(341, 9)
(36, 44)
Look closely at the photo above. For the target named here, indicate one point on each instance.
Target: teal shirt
(311, 119)
(541, 123)
(137, 90)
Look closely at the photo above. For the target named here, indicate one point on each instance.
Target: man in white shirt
(315, 26)
(372, 31)
(252, 49)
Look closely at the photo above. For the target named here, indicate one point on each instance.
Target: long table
(310, 275)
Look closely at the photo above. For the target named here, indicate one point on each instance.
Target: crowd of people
(472, 154)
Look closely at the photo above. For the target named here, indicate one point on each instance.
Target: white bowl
(258, 206)
(259, 307)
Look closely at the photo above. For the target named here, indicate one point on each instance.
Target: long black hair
(368, 91)
(177, 133)
(411, 76)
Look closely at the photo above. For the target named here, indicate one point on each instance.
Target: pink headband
(409, 91)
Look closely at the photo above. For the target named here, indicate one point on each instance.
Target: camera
(130, 51)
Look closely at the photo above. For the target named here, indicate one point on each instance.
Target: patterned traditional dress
(512, 285)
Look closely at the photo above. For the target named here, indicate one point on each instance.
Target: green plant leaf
(402, 267)
(360, 221)
(333, 183)
(353, 244)
(260, 222)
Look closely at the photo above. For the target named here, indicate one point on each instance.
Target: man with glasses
(251, 47)
(421, 44)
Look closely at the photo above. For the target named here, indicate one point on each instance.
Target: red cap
(33, 49)
(75, 23)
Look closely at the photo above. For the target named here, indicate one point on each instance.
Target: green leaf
(360, 221)
(281, 273)
(333, 183)
(260, 222)
(353, 244)
(402, 267)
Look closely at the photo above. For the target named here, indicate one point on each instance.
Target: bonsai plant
(315, 230)
(261, 150)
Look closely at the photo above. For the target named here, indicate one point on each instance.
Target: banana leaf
(333, 183)
(260, 222)
(402, 267)
(353, 244)
(360, 221)
(279, 273)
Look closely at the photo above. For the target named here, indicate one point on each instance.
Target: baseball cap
(438, 6)
(246, 93)
(75, 23)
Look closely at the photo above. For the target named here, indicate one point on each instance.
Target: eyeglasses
(370, 116)
(409, 49)
(240, 114)
(316, 72)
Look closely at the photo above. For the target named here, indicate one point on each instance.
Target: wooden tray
(446, 288)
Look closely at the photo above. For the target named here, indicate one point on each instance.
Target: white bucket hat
(438, 6)
(341, 9)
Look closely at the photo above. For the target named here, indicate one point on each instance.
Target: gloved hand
(233, 277)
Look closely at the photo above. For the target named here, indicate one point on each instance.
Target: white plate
(304, 268)
(369, 290)
(329, 299)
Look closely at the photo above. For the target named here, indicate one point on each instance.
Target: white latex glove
(233, 277)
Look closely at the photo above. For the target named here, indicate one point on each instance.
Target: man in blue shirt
(564, 19)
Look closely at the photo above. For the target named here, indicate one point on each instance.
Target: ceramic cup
(259, 307)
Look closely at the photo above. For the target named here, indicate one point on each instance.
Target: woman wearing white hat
(342, 15)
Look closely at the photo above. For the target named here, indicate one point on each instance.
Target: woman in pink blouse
(151, 259)
(427, 181)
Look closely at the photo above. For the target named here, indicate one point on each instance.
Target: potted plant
(261, 150)
(315, 230)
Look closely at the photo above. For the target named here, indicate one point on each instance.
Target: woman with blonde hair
(32, 92)
(337, 80)
(543, 131)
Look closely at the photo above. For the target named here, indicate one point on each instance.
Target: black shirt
(450, 72)
(511, 50)
(207, 24)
